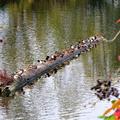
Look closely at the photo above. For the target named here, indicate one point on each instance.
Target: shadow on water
(33, 29)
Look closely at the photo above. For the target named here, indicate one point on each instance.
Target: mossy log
(49, 65)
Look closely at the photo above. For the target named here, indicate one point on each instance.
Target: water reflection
(33, 29)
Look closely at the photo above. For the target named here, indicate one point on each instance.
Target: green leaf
(111, 117)
(101, 116)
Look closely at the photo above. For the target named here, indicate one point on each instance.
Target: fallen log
(50, 65)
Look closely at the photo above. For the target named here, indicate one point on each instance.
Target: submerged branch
(106, 40)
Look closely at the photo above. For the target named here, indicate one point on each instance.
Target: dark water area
(32, 29)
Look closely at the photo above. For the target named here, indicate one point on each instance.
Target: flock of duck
(61, 58)
(81, 47)
(103, 89)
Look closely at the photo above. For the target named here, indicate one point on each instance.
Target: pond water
(32, 29)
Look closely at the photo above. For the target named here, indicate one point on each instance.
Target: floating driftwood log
(45, 67)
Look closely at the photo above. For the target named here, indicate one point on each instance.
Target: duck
(57, 54)
(20, 72)
(61, 55)
(1, 40)
(83, 41)
(76, 56)
(38, 61)
(78, 46)
(41, 61)
(47, 57)
(72, 47)
(93, 38)
(33, 66)
(6, 92)
(53, 57)
(15, 77)
(47, 75)
(99, 95)
(55, 70)
(22, 91)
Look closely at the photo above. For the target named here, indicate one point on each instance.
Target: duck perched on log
(45, 67)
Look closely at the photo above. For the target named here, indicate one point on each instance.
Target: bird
(1, 40)
(20, 71)
(6, 92)
(72, 47)
(47, 57)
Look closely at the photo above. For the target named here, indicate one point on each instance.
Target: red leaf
(118, 57)
(118, 21)
(5, 78)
